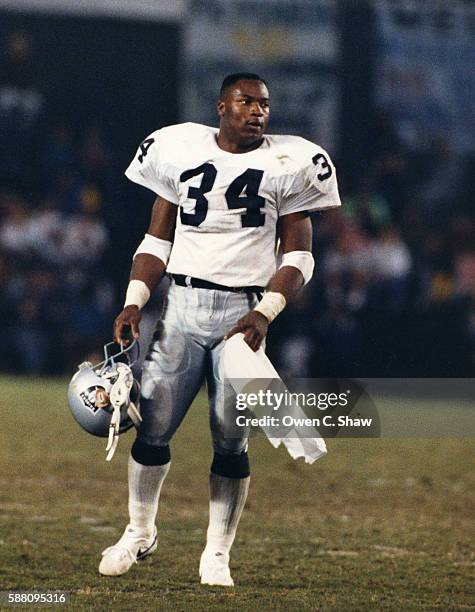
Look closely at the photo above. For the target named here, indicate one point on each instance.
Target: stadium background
(81, 86)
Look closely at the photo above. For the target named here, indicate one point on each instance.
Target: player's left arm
(295, 233)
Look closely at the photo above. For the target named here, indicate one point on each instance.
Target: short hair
(239, 76)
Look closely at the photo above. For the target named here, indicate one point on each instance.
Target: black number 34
(241, 193)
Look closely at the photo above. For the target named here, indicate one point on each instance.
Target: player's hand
(127, 323)
(254, 326)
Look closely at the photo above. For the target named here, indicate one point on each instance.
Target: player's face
(244, 111)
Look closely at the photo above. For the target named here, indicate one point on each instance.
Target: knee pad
(147, 454)
(231, 466)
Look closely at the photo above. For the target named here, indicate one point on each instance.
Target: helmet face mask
(90, 390)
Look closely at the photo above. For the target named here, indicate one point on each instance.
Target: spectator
(15, 232)
(391, 271)
(85, 236)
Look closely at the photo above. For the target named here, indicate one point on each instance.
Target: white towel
(250, 371)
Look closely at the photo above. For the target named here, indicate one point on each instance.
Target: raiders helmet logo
(95, 398)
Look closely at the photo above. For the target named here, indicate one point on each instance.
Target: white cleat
(132, 547)
(214, 569)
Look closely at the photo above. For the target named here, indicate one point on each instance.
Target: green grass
(375, 525)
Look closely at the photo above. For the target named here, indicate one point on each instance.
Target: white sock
(145, 483)
(227, 499)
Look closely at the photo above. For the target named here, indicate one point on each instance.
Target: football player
(225, 197)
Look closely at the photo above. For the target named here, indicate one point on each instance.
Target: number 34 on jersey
(232, 200)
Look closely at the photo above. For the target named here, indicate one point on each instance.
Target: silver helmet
(104, 398)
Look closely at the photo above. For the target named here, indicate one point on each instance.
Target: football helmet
(104, 398)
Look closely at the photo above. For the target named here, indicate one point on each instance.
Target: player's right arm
(148, 267)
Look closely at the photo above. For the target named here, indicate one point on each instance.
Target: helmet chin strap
(134, 414)
(120, 398)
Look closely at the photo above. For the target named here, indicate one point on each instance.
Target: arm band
(137, 294)
(271, 305)
(302, 260)
(155, 246)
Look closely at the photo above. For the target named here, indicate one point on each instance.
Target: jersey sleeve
(313, 186)
(149, 169)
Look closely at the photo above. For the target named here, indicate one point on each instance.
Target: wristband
(271, 305)
(137, 294)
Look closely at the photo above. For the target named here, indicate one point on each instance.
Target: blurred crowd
(393, 292)
(394, 289)
(55, 225)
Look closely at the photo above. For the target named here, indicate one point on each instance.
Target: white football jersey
(230, 202)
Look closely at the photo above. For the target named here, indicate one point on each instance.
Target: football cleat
(132, 547)
(214, 569)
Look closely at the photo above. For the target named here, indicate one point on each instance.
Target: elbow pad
(302, 260)
(155, 246)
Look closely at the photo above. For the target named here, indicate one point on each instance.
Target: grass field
(375, 525)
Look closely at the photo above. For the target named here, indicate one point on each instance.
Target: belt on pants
(198, 283)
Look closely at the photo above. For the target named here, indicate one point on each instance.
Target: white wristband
(302, 260)
(271, 305)
(155, 246)
(137, 294)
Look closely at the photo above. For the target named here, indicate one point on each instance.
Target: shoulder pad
(185, 131)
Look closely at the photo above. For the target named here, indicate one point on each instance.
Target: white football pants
(186, 350)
